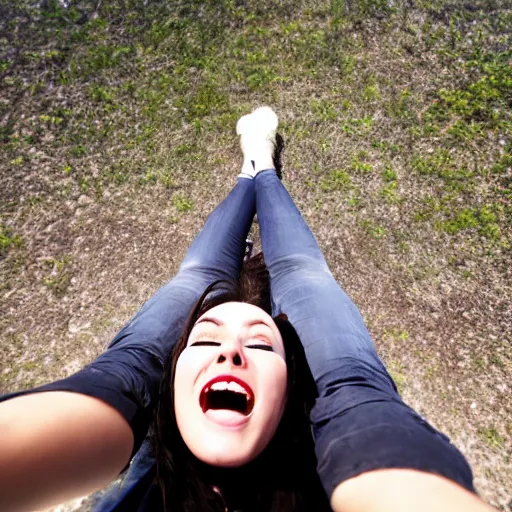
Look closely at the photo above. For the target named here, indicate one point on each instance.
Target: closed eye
(264, 346)
(205, 344)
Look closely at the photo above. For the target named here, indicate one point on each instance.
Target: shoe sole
(262, 121)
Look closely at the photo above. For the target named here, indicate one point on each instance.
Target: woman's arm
(403, 490)
(57, 445)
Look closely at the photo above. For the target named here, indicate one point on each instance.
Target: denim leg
(329, 324)
(359, 421)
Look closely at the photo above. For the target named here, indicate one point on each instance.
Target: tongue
(226, 417)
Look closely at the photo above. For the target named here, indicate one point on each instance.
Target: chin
(220, 460)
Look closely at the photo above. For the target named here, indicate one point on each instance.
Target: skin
(57, 446)
(243, 341)
(404, 490)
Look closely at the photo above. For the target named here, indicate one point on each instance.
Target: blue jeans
(359, 421)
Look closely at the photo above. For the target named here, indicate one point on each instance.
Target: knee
(197, 273)
(302, 265)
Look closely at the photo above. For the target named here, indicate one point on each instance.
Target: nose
(231, 354)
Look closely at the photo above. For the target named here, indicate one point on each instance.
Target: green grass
(8, 240)
(482, 103)
(58, 278)
(397, 371)
(483, 219)
(442, 165)
(491, 436)
(182, 203)
(337, 179)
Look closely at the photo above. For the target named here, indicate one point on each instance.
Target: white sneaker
(257, 132)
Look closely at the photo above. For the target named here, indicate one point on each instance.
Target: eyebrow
(216, 321)
(209, 319)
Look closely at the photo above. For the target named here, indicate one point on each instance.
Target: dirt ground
(117, 130)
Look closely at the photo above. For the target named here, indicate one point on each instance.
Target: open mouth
(227, 392)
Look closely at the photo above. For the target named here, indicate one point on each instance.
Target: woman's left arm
(403, 490)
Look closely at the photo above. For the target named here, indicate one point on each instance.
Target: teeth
(229, 386)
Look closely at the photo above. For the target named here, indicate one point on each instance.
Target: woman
(366, 438)
(231, 429)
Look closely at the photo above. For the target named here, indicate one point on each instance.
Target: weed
(100, 57)
(182, 203)
(371, 93)
(166, 180)
(404, 247)
(261, 77)
(389, 193)
(503, 165)
(389, 175)
(79, 151)
(397, 372)
(401, 107)
(323, 145)
(357, 126)
(150, 177)
(491, 436)
(373, 230)
(336, 180)
(354, 201)
(8, 240)
(205, 100)
(184, 149)
(59, 277)
(358, 165)
(51, 119)
(482, 219)
(323, 110)
(84, 184)
(18, 161)
(101, 94)
(396, 334)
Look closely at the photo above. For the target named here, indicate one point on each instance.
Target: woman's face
(230, 385)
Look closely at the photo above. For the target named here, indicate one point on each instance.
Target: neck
(237, 486)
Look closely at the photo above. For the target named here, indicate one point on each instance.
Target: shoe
(257, 132)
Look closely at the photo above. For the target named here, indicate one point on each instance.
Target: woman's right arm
(403, 490)
(55, 446)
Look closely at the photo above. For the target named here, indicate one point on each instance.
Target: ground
(117, 130)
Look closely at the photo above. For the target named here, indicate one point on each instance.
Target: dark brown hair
(283, 478)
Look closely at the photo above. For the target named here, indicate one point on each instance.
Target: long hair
(283, 477)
